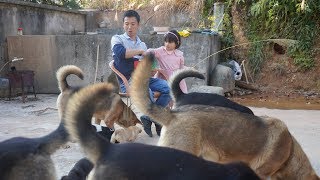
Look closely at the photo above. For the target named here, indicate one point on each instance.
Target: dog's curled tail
(79, 111)
(62, 74)
(140, 92)
(178, 76)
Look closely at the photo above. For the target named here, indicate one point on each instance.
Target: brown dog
(224, 135)
(120, 112)
(123, 135)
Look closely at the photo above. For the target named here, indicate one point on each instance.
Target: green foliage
(302, 55)
(228, 37)
(70, 4)
(288, 19)
(256, 56)
(207, 7)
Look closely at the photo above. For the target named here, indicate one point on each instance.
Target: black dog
(29, 158)
(80, 170)
(103, 131)
(134, 160)
(209, 99)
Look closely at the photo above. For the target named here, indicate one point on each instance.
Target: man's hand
(133, 52)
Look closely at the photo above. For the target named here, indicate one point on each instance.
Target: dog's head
(129, 134)
(128, 117)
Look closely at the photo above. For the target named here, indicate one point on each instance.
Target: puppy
(120, 112)
(224, 135)
(80, 170)
(209, 99)
(122, 135)
(134, 160)
(29, 158)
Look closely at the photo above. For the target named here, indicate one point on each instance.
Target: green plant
(256, 57)
(304, 61)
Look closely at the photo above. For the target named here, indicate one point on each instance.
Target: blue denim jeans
(158, 85)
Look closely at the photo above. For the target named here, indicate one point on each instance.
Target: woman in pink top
(169, 57)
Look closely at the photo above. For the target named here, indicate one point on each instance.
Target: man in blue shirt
(127, 48)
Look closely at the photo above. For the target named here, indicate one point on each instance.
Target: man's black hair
(131, 13)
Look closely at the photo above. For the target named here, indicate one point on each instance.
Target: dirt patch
(276, 100)
(280, 74)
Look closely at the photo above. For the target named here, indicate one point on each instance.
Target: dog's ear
(113, 79)
(136, 120)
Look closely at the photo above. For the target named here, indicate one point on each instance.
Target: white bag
(236, 70)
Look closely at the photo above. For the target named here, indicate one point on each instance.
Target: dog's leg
(110, 122)
(114, 114)
(297, 166)
(276, 151)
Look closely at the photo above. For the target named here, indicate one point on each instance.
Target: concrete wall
(44, 54)
(149, 19)
(36, 19)
(39, 19)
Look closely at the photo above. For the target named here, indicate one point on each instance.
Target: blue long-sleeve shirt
(119, 45)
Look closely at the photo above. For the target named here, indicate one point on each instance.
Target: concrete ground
(39, 116)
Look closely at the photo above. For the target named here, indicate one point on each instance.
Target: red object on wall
(20, 31)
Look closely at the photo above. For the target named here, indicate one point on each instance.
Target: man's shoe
(146, 122)
(158, 128)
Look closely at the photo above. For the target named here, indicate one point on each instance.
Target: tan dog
(119, 113)
(224, 135)
(123, 135)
